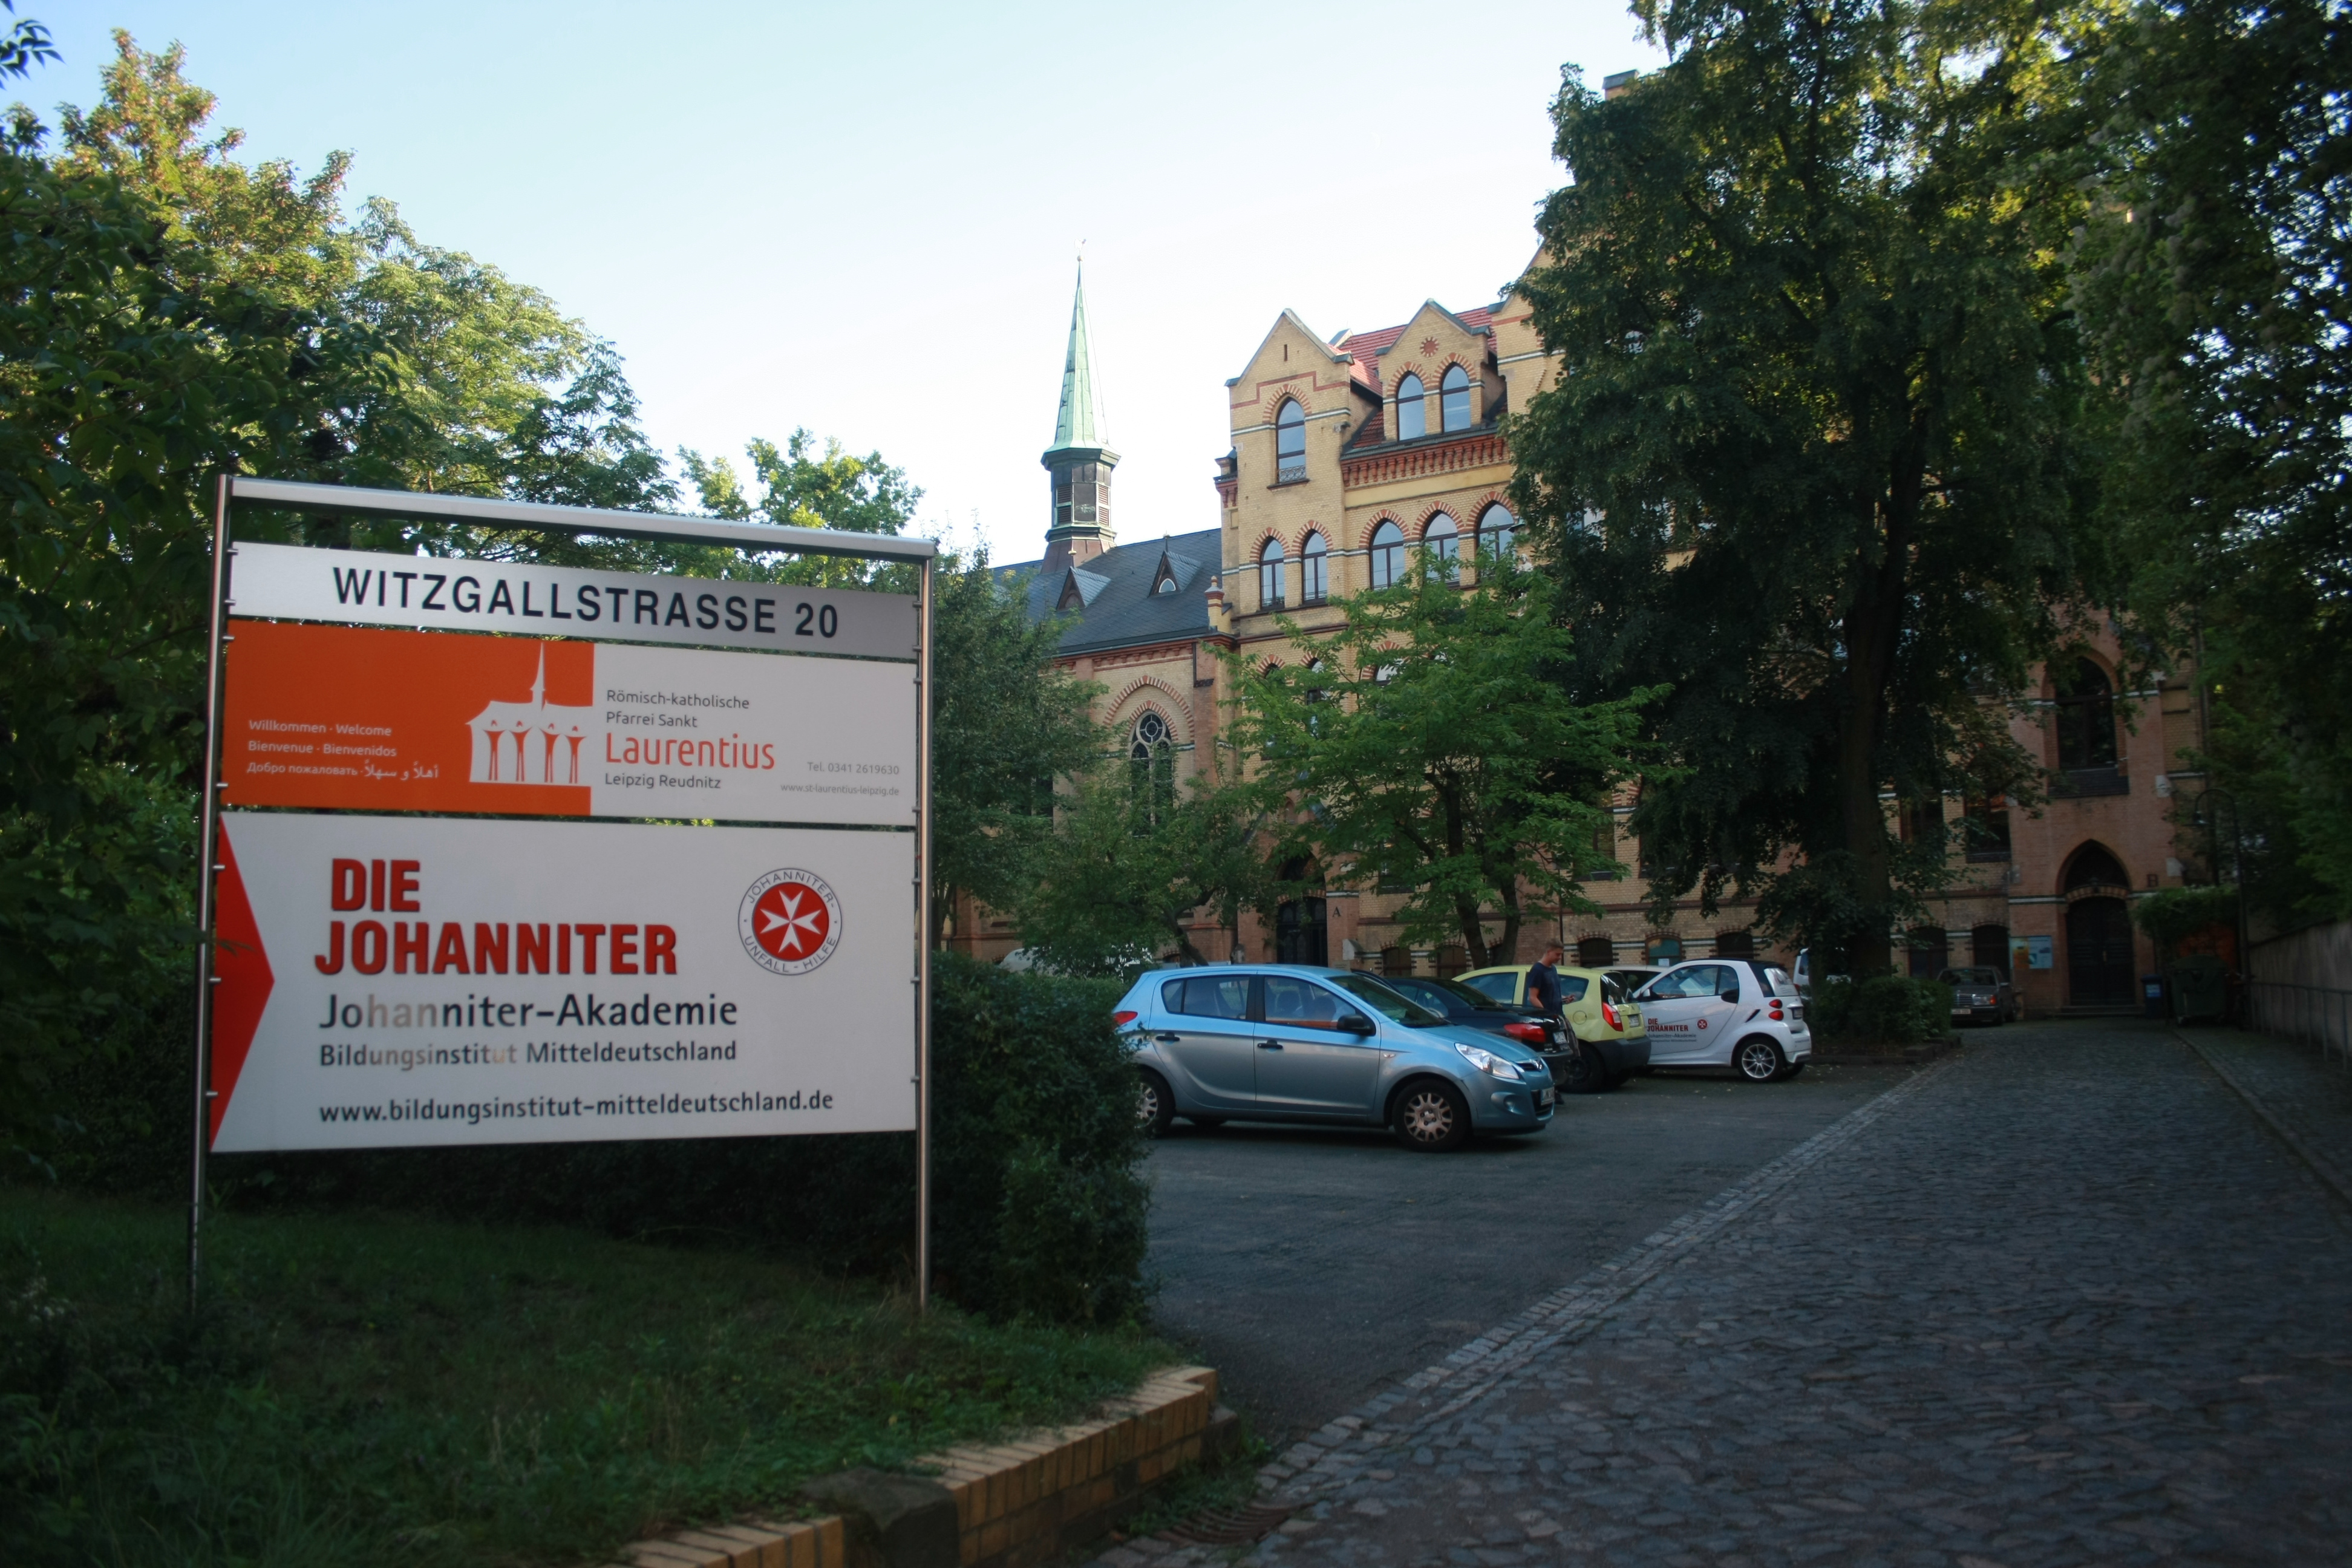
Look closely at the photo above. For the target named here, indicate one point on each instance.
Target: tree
(1813, 456)
(2214, 274)
(1132, 861)
(1431, 742)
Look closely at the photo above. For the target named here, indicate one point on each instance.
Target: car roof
(1496, 969)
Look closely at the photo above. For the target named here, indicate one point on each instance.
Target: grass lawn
(376, 1389)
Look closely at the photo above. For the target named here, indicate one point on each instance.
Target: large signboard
(391, 981)
(356, 719)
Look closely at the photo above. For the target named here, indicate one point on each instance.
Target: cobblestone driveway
(2061, 1301)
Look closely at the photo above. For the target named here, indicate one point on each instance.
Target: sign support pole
(200, 1127)
(923, 944)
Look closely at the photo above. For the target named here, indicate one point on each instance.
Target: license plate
(1543, 1099)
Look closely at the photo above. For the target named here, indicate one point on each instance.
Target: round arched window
(1497, 529)
(1290, 443)
(1312, 583)
(1412, 408)
(1387, 553)
(1441, 538)
(1453, 398)
(1269, 575)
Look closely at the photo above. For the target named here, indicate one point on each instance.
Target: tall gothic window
(1442, 540)
(1497, 529)
(2086, 718)
(1151, 769)
(1453, 398)
(1290, 443)
(1313, 581)
(1387, 553)
(1269, 575)
(1413, 409)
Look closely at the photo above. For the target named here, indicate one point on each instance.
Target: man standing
(1543, 980)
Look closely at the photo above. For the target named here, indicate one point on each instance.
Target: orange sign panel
(355, 719)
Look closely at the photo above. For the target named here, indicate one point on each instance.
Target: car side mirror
(1355, 1024)
(1731, 995)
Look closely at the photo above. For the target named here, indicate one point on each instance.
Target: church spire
(1078, 461)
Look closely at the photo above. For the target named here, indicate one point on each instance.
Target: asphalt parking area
(1313, 1267)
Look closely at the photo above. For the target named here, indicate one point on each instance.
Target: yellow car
(1615, 1042)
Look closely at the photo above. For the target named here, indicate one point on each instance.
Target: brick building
(1349, 453)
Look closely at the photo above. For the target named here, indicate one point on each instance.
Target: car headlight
(1489, 1062)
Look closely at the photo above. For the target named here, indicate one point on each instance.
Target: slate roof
(1114, 605)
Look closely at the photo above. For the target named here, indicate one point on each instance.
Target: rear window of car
(1970, 977)
(1777, 981)
(1205, 996)
(1572, 988)
(1503, 986)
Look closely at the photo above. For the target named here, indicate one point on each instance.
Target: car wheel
(1759, 1059)
(1155, 1107)
(1206, 1123)
(1431, 1117)
(1586, 1074)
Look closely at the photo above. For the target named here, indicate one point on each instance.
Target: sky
(862, 219)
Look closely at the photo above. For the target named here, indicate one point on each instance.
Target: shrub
(1038, 1206)
(1888, 1009)
(2177, 913)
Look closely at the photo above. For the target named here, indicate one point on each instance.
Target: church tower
(1078, 461)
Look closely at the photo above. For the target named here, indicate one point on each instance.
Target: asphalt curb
(2335, 1179)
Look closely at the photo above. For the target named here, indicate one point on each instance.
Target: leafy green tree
(1431, 742)
(1133, 861)
(801, 487)
(1813, 456)
(2214, 274)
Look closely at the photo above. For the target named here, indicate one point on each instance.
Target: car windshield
(1970, 977)
(1393, 1005)
(1498, 987)
(1461, 992)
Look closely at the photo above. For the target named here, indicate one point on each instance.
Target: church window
(1151, 768)
(1497, 529)
(1269, 575)
(1453, 398)
(1290, 443)
(1412, 410)
(2086, 718)
(1387, 553)
(1442, 539)
(1313, 582)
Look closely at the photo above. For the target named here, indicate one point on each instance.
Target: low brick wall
(1016, 1503)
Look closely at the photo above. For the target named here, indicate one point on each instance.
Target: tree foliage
(1431, 743)
(2214, 273)
(1812, 457)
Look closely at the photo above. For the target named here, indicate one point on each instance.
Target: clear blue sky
(862, 218)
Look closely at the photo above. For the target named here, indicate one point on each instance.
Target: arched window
(1441, 538)
(1387, 553)
(1313, 584)
(1290, 443)
(1269, 575)
(1453, 398)
(1499, 531)
(1151, 768)
(2086, 718)
(1413, 411)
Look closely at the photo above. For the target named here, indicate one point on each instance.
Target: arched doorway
(2098, 930)
(1302, 934)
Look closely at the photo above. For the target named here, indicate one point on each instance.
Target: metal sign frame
(765, 538)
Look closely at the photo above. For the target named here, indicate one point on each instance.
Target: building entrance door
(1300, 933)
(2098, 954)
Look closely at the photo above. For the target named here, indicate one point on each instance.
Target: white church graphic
(536, 742)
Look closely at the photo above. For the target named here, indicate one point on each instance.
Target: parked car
(1612, 1043)
(1294, 1043)
(1460, 1003)
(1738, 1013)
(1983, 994)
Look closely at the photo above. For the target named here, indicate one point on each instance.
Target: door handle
(1269, 1045)
(1167, 1039)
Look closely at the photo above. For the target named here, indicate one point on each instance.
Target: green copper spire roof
(1080, 422)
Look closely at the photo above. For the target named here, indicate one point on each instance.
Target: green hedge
(1888, 1009)
(1038, 1202)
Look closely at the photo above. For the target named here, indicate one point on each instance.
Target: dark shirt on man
(1543, 987)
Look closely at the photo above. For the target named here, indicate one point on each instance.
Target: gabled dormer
(1175, 573)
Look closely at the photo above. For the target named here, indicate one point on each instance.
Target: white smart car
(1727, 1012)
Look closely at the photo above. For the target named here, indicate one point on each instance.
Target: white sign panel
(402, 980)
(285, 581)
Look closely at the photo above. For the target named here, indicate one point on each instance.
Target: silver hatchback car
(1290, 1043)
